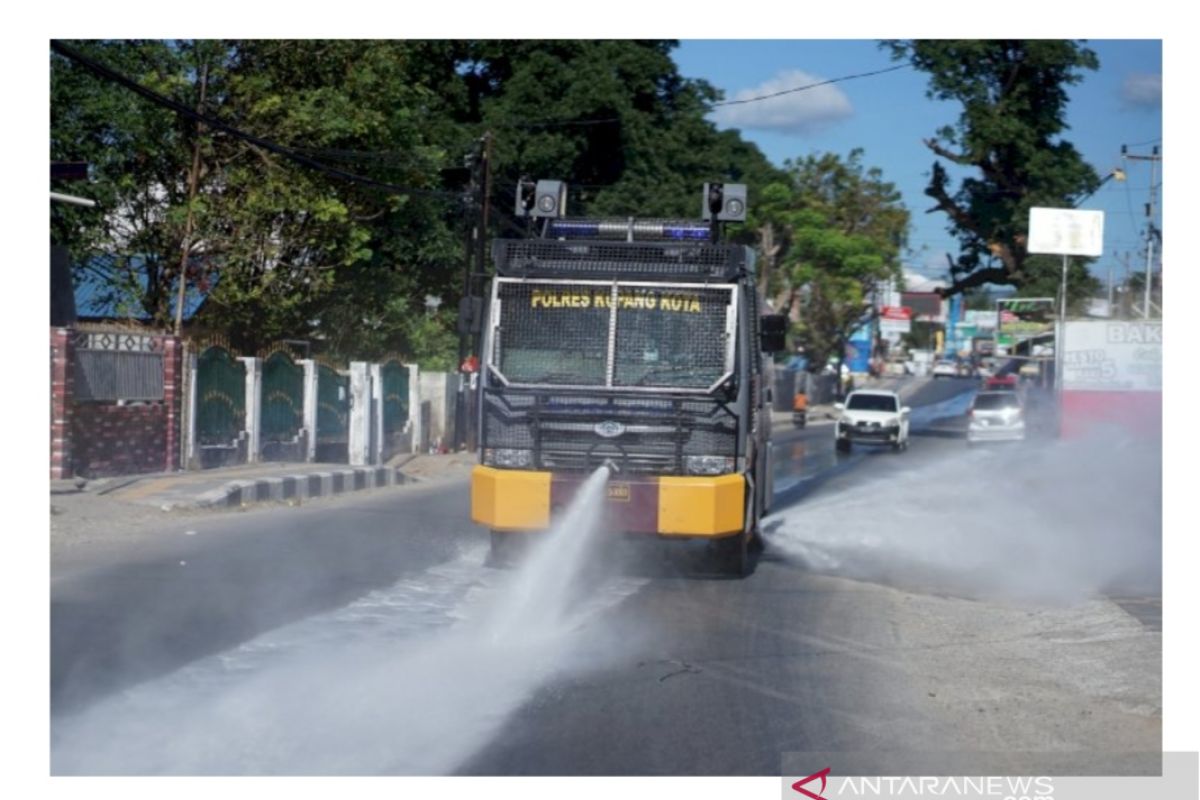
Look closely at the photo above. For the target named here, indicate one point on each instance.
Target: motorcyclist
(800, 409)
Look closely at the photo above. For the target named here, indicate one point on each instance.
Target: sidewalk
(233, 487)
(107, 520)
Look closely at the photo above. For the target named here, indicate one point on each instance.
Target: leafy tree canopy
(837, 228)
(291, 251)
(1008, 143)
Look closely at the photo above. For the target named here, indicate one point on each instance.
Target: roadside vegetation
(324, 190)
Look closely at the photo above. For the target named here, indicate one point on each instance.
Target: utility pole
(471, 234)
(1125, 287)
(475, 248)
(193, 179)
(1154, 158)
(476, 309)
(769, 250)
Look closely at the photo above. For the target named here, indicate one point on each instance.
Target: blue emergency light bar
(629, 230)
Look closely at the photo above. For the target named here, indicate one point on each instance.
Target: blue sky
(888, 116)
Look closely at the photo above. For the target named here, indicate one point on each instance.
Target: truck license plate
(618, 492)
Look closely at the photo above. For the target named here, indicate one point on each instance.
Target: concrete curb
(295, 487)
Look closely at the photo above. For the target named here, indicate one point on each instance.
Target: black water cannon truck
(633, 343)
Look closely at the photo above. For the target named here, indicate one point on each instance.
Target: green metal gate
(220, 397)
(333, 406)
(282, 398)
(395, 396)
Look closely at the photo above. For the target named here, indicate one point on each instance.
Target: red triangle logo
(799, 785)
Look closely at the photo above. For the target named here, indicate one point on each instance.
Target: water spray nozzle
(612, 466)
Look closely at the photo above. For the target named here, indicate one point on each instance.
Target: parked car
(1001, 383)
(995, 417)
(946, 368)
(872, 417)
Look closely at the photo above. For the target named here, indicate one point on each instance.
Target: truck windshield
(663, 336)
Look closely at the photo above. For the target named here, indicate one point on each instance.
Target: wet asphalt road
(711, 675)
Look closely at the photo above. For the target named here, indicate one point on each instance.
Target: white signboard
(1102, 356)
(984, 321)
(1066, 231)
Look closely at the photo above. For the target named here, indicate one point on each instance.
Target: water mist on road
(409, 680)
(1054, 522)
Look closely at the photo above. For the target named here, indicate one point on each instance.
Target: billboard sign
(1066, 231)
(1021, 318)
(925, 306)
(858, 349)
(1104, 356)
(895, 319)
(984, 321)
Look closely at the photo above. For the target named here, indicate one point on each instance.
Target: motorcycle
(800, 410)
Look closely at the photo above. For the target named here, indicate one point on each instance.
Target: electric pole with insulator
(1152, 232)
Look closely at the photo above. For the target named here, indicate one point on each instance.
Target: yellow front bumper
(520, 500)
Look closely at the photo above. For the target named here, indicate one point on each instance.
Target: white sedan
(945, 368)
(872, 417)
(996, 417)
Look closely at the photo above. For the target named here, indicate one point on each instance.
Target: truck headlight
(708, 465)
(507, 457)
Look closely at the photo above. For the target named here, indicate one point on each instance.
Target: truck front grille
(561, 432)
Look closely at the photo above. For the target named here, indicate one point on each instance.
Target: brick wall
(97, 439)
(61, 389)
(111, 439)
(172, 401)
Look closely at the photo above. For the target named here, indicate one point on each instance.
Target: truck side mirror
(774, 333)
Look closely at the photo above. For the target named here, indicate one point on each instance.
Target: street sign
(1021, 318)
(1066, 232)
(895, 319)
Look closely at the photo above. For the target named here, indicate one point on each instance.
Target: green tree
(344, 262)
(1007, 144)
(289, 250)
(837, 228)
(614, 119)
(286, 250)
(140, 155)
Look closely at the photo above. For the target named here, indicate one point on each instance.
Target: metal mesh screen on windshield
(671, 337)
(650, 260)
(553, 334)
(557, 334)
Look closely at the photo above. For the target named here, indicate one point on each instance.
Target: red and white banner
(895, 319)
(1112, 374)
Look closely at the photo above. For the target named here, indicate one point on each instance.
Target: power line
(287, 152)
(794, 89)
(810, 86)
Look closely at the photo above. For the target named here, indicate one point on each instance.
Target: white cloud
(799, 112)
(1141, 90)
